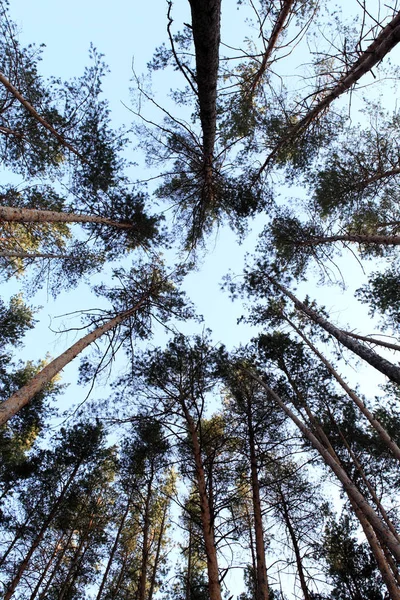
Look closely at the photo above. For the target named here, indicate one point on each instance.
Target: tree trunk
(354, 494)
(23, 565)
(10, 407)
(206, 518)
(47, 567)
(114, 548)
(145, 546)
(279, 26)
(262, 592)
(43, 593)
(9, 86)
(383, 434)
(158, 553)
(12, 214)
(375, 360)
(206, 17)
(376, 51)
(387, 575)
(292, 534)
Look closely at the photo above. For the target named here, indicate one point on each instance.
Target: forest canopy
(148, 457)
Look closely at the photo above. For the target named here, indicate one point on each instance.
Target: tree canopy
(171, 462)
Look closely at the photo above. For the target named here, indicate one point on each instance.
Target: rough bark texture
(12, 405)
(33, 215)
(206, 23)
(381, 364)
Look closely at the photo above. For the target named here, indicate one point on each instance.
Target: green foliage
(382, 293)
(351, 566)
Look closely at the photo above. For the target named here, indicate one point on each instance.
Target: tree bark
(376, 51)
(262, 592)
(8, 85)
(375, 423)
(206, 25)
(12, 405)
(381, 529)
(206, 518)
(23, 565)
(387, 575)
(12, 214)
(375, 360)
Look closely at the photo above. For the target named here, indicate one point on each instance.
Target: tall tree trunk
(350, 488)
(262, 592)
(296, 548)
(387, 39)
(145, 543)
(9, 86)
(12, 214)
(381, 561)
(214, 586)
(158, 553)
(375, 360)
(24, 564)
(43, 593)
(206, 25)
(114, 548)
(47, 567)
(375, 423)
(10, 407)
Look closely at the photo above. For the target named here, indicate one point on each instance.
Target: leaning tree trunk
(351, 490)
(10, 407)
(39, 537)
(388, 38)
(375, 360)
(279, 26)
(375, 423)
(9, 86)
(12, 214)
